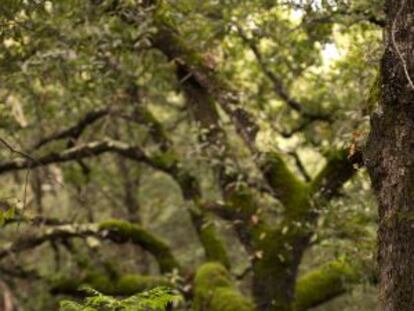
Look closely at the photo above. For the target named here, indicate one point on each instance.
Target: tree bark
(389, 157)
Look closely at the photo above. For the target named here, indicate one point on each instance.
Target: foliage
(179, 89)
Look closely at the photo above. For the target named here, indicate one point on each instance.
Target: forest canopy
(211, 147)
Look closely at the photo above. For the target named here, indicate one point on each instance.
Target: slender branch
(76, 130)
(14, 150)
(76, 153)
(297, 129)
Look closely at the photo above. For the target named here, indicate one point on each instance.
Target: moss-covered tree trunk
(390, 158)
(275, 273)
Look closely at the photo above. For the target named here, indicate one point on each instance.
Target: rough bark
(389, 158)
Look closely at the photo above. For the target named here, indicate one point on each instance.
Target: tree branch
(327, 282)
(340, 167)
(114, 230)
(205, 79)
(76, 130)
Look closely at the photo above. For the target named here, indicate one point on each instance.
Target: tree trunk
(390, 160)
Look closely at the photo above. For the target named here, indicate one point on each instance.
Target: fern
(156, 299)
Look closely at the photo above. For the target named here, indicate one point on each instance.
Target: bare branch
(76, 130)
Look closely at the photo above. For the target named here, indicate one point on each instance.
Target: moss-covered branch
(122, 231)
(287, 187)
(215, 291)
(325, 283)
(84, 151)
(214, 247)
(76, 130)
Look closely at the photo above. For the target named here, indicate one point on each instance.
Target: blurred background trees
(212, 146)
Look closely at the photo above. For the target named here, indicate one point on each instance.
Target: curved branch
(76, 130)
(75, 153)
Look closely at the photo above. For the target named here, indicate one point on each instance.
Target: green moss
(290, 190)
(124, 231)
(273, 267)
(227, 299)
(211, 275)
(324, 283)
(213, 246)
(215, 291)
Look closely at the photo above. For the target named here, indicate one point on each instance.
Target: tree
(389, 156)
(137, 127)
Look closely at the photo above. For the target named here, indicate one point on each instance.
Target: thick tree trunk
(390, 157)
(276, 272)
